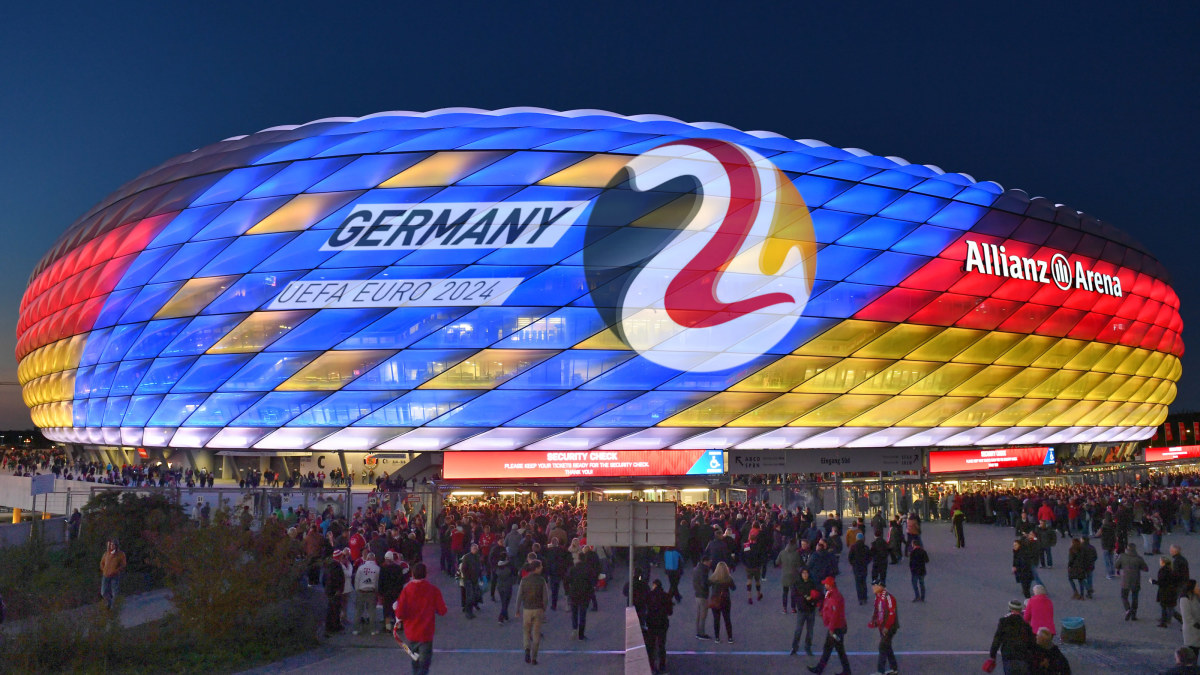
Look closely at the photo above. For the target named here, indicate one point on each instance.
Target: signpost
(631, 524)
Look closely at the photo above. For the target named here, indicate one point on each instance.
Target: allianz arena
(529, 279)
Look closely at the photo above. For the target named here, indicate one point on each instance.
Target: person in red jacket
(833, 615)
(416, 607)
(885, 620)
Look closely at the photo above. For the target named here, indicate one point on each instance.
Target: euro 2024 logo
(700, 255)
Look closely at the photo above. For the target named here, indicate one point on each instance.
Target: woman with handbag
(719, 602)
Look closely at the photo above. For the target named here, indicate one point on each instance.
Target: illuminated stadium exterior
(475, 280)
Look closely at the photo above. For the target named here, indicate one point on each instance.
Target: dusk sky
(1092, 105)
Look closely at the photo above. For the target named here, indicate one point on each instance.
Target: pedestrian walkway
(136, 610)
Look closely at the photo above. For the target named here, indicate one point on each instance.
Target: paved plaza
(968, 590)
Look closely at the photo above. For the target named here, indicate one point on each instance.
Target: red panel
(1134, 334)
(1154, 336)
(988, 314)
(1089, 327)
(144, 232)
(1108, 304)
(982, 460)
(1016, 289)
(1061, 322)
(1149, 311)
(946, 310)
(1167, 343)
(1131, 307)
(85, 256)
(896, 305)
(1143, 285)
(982, 285)
(1172, 454)
(1027, 318)
(958, 250)
(936, 275)
(1113, 330)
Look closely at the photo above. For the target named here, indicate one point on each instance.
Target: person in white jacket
(366, 586)
(1189, 609)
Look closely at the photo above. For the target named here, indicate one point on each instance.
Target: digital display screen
(1171, 454)
(982, 460)
(582, 464)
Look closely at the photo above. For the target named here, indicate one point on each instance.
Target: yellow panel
(938, 411)
(1156, 417)
(844, 376)
(605, 339)
(443, 168)
(594, 172)
(786, 373)
(948, 344)
(1046, 414)
(899, 341)
(945, 378)
(1145, 391)
(1125, 391)
(1165, 394)
(259, 330)
(1071, 417)
(1151, 364)
(1135, 418)
(195, 296)
(892, 411)
(985, 381)
(1102, 411)
(844, 338)
(1105, 389)
(488, 368)
(1019, 410)
(717, 410)
(1166, 368)
(1118, 416)
(1056, 384)
(838, 411)
(782, 410)
(333, 370)
(1089, 356)
(897, 377)
(1028, 349)
(1022, 383)
(1112, 359)
(1060, 354)
(1084, 385)
(302, 212)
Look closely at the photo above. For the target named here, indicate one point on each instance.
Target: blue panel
(719, 380)
(596, 141)
(236, 184)
(244, 253)
(120, 340)
(174, 409)
(97, 340)
(834, 262)
(416, 408)
(798, 162)
(140, 410)
(521, 138)
(251, 292)
(927, 240)
(210, 371)
(343, 408)
(147, 264)
(482, 327)
(914, 207)
(102, 378)
(843, 300)
(239, 217)
(877, 233)
(185, 225)
(114, 412)
(565, 328)
(442, 139)
(202, 333)
(805, 328)
(888, 269)
(221, 409)
(298, 177)
(829, 226)
(267, 371)
(958, 215)
(569, 369)
(975, 195)
(367, 172)
(637, 373)
(522, 168)
(79, 410)
(648, 409)
(372, 141)
(114, 307)
(325, 329)
(164, 373)
(150, 300)
(410, 368)
(301, 149)
(156, 336)
(401, 327)
(129, 376)
(387, 196)
(302, 253)
(816, 191)
(901, 180)
(556, 286)
(868, 199)
(846, 170)
(95, 412)
(573, 408)
(651, 142)
(277, 407)
(493, 408)
(83, 381)
(342, 274)
(937, 187)
(188, 260)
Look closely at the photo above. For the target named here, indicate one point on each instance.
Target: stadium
(585, 282)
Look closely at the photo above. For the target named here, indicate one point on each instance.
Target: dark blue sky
(1093, 105)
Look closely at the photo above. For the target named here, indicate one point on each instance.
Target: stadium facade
(566, 281)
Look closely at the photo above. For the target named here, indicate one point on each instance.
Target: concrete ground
(968, 591)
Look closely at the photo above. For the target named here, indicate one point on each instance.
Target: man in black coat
(579, 593)
(879, 560)
(700, 586)
(860, 559)
(1013, 639)
(658, 610)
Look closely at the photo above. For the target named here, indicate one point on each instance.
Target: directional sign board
(41, 485)
(653, 523)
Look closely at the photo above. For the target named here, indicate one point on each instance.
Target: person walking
(1179, 565)
(366, 583)
(1075, 569)
(860, 559)
(532, 597)
(558, 560)
(754, 557)
(1039, 611)
(1047, 658)
(504, 577)
(833, 615)
(1108, 544)
(417, 607)
(1021, 566)
(673, 565)
(807, 598)
(1130, 566)
(788, 562)
(1013, 640)
(956, 523)
(700, 585)
(887, 621)
(1189, 611)
(112, 566)
(879, 560)
(335, 583)
(659, 608)
(918, 558)
(579, 594)
(721, 586)
(1166, 595)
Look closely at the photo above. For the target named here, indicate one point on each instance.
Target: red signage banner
(982, 460)
(1171, 454)
(580, 464)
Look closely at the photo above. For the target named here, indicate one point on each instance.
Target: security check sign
(612, 524)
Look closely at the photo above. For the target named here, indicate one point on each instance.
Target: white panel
(93, 435)
(1126, 433)
(237, 437)
(582, 438)
(1035, 436)
(54, 434)
(292, 438)
(1109, 434)
(927, 437)
(1003, 436)
(834, 438)
(778, 438)
(717, 439)
(1089, 434)
(193, 437)
(969, 436)
(429, 438)
(157, 437)
(358, 438)
(1068, 435)
(1144, 433)
(112, 435)
(884, 438)
(504, 438)
(654, 438)
(131, 435)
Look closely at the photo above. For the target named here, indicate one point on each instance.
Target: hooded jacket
(833, 609)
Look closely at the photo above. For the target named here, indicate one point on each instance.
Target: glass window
(636, 373)
(301, 212)
(483, 327)
(914, 207)
(298, 177)
(184, 226)
(129, 375)
(114, 411)
(156, 336)
(235, 184)
(267, 371)
(97, 340)
(201, 333)
(888, 269)
(102, 379)
(95, 412)
(343, 408)
(188, 260)
(149, 300)
(844, 376)
(522, 168)
(164, 373)
(115, 306)
(219, 410)
(410, 368)
(239, 218)
(927, 240)
(277, 408)
(140, 410)
(210, 372)
(573, 408)
(782, 410)
(488, 369)
(367, 171)
(569, 369)
(839, 411)
(251, 292)
(718, 410)
(443, 168)
(302, 253)
(259, 330)
(194, 295)
(866, 199)
(838, 262)
(560, 330)
(493, 408)
(245, 253)
(326, 328)
(648, 409)
(175, 408)
(120, 340)
(718, 380)
(333, 370)
(416, 408)
(401, 327)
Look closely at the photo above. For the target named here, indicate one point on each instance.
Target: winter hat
(829, 581)
(1015, 606)
(389, 556)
